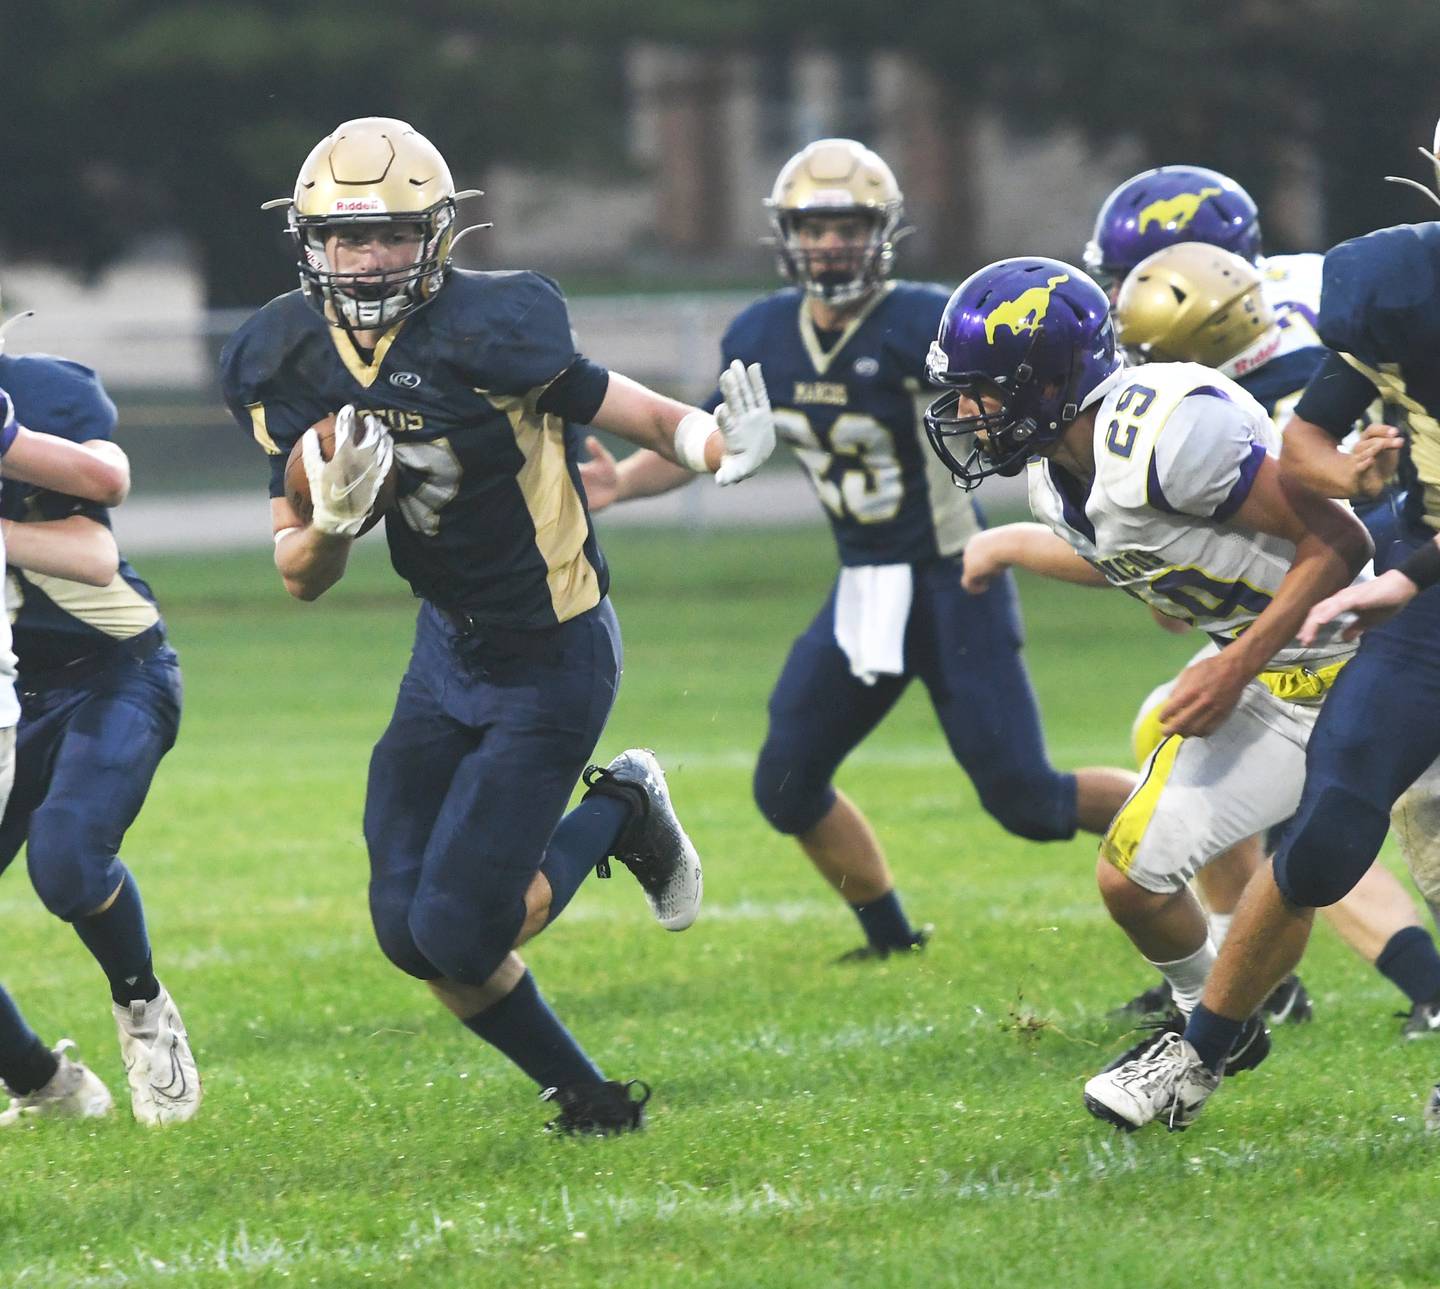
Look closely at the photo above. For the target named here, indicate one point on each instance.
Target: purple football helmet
(1161, 207)
(1034, 338)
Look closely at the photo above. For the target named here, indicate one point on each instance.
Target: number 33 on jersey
(850, 404)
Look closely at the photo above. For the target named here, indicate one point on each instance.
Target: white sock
(1220, 927)
(1187, 975)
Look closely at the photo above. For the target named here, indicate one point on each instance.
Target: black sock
(885, 923)
(580, 841)
(1410, 961)
(522, 1027)
(117, 940)
(25, 1062)
(1212, 1036)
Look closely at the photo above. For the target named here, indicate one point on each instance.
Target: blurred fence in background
(200, 481)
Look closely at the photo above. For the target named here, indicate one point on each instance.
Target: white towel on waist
(872, 609)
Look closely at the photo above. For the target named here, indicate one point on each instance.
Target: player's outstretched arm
(731, 445)
(641, 474)
(75, 548)
(1029, 546)
(1331, 547)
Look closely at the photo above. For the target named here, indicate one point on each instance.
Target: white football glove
(343, 489)
(745, 420)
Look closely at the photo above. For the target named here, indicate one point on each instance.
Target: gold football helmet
(1191, 302)
(837, 177)
(372, 170)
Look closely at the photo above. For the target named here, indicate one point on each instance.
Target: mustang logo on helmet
(1025, 312)
(1170, 204)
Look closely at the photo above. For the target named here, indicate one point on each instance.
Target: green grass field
(914, 1123)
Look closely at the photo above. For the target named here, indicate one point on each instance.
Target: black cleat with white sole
(652, 844)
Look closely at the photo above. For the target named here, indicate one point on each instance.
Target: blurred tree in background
(133, 115)
(130, 116)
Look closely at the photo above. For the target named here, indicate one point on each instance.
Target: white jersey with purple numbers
(1177, 449)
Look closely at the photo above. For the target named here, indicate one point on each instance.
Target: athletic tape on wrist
(691, 436)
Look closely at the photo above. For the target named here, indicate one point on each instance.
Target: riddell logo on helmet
(357, 206)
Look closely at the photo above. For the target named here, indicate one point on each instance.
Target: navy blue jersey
(852, 411)
(1380, 312)
(491, 515)
(58, 622)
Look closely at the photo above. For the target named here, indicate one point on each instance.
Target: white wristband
(691, 436)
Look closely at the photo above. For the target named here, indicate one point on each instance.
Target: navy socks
(117, 940)
(522, 1027)
(25, 1062)
(580, 841)
(1212, 1036)
(1410, 961)
(885, 923)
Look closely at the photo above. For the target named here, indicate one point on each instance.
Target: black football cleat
(1289, 1003)
(598, 1109)
(1155, 1001)
(652, 844)
(1421, 1021)
(879, 952)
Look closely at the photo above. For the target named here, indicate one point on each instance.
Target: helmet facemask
(1014, 413)
(375, 298)
(843, 274)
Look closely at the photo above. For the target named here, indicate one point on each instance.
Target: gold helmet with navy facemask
(837, 177)
(372, 171)
(1191, 302)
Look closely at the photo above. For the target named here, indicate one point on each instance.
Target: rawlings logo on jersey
(404, 379)
(1025, 312)
(1176, 211)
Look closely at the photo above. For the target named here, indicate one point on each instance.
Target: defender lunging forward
(1161, 481)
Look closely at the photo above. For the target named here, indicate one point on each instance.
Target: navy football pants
(1377, 733)
(487, 741)
(965, 649)
(84, 759)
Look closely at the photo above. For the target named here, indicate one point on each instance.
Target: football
(297, 482)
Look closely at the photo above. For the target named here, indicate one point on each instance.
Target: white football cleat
(652, 844)
(164, 1084)
(1432, 1110)
(74, 1092)
(1168, 1081)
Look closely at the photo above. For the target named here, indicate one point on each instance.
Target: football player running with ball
(472, 382)
(842, 352)
(1161, 481)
